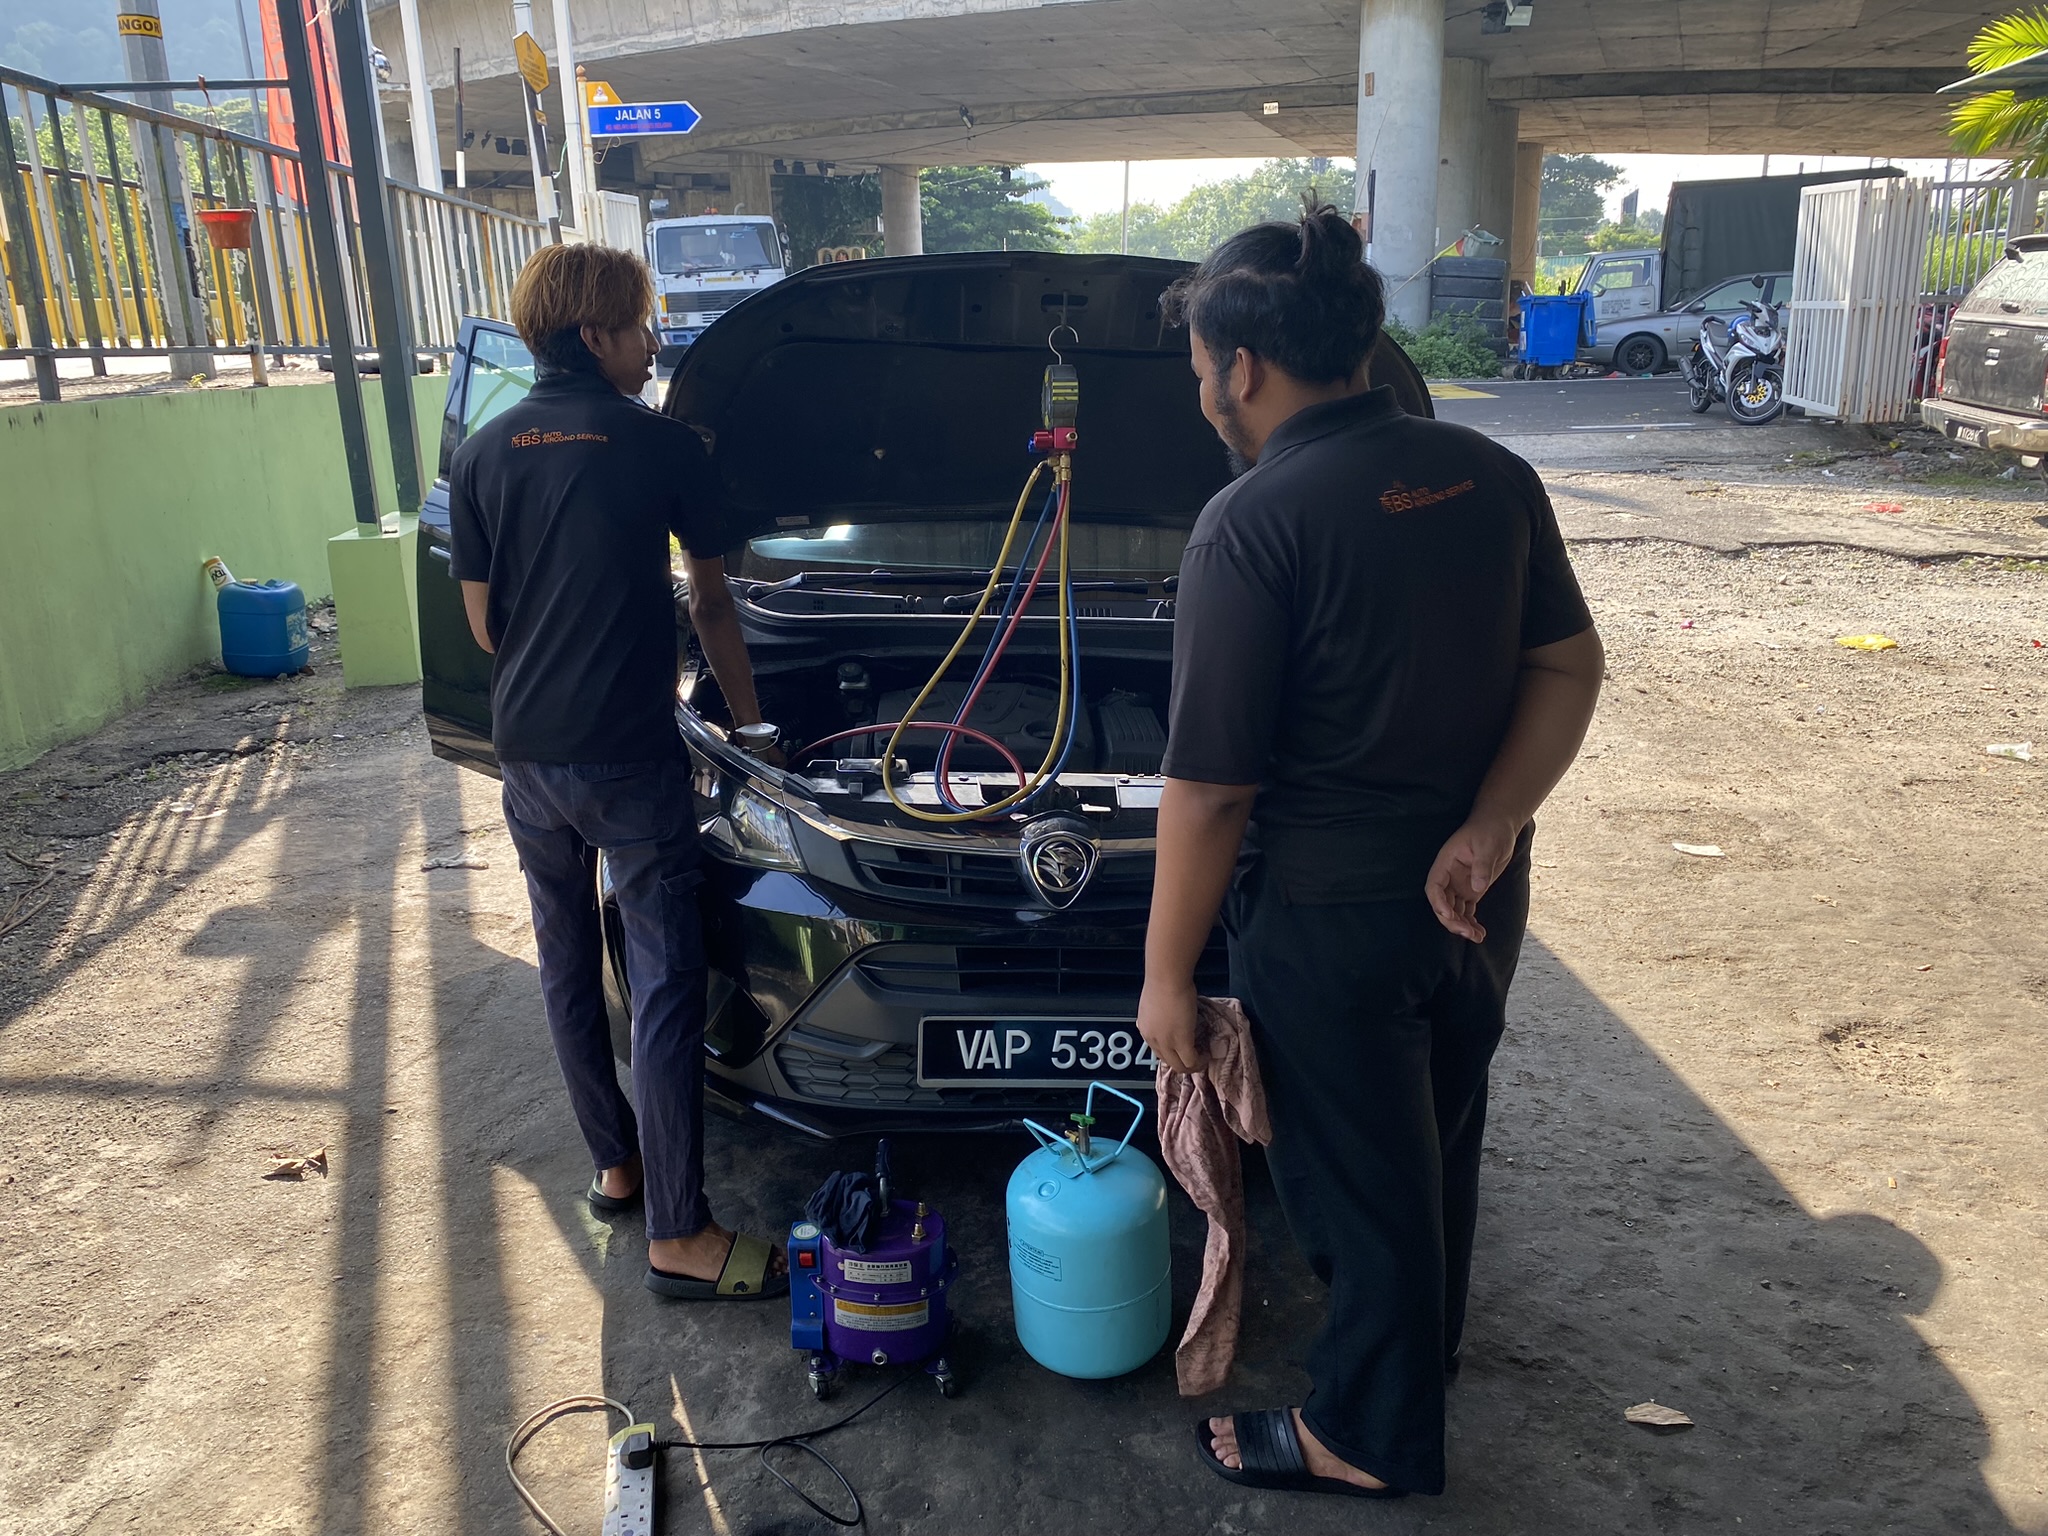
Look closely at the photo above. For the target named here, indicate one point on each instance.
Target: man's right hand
(1166, 1018)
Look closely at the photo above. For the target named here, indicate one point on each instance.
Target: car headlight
(754, 830)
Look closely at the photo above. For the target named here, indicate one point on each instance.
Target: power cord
(538, 1421)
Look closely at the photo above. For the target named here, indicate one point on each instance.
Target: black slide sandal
(745, 1276)
(1271, 1453)
(611, 1205)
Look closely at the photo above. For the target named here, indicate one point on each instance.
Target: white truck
(703, 266)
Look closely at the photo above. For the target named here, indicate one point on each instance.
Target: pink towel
(1202, 1118)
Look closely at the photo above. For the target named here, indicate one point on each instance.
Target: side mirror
(1758, 281)
(1696, 307)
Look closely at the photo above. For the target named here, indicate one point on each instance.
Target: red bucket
(230, 229)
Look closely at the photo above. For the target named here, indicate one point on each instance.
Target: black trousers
(1375, 1027)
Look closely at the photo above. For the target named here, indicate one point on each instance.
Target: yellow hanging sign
(533, 64)
(135, 24)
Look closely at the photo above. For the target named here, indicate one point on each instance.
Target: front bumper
(817, 993)
(1981, 427)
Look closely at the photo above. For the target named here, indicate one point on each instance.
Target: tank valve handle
(917, 1228)
(1079, 1136)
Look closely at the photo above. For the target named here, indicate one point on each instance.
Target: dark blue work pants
(561, 815)
(1375, 1027)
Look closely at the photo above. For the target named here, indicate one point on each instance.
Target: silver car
(1652, 343)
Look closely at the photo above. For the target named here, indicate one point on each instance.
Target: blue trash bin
(263, 628)
(1551, 327)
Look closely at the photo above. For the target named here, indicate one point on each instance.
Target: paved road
(1506, 408)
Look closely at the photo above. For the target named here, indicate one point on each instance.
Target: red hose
(917, 725)
(1009, 631)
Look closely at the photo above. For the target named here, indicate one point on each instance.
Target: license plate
(1031, 1053)
(1974, 436)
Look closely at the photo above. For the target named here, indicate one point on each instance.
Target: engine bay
(1119, 735)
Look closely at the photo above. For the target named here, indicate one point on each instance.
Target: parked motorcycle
(1745, 368)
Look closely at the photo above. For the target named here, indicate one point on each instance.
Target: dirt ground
(1767, 1145)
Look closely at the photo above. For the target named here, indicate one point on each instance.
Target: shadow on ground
(1631, 1248)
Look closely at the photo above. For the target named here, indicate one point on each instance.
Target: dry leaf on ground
(1657, 1416)
(1701, 850)
(285, 1166)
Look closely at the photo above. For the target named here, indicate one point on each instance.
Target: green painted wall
(108, 506)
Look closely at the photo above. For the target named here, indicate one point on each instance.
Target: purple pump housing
(886, 1306)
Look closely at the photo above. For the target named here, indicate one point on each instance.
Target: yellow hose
(1062, 469)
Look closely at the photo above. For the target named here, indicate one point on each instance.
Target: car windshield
(680, 248)
(1098, 549)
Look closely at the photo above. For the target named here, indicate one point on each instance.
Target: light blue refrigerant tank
(1090, 1266)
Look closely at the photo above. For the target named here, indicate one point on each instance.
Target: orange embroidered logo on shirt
(1398, 498)
(533, 438)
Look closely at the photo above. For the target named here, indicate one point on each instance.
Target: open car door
(491, 370)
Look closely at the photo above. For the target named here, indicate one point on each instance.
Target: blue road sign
(643, 117)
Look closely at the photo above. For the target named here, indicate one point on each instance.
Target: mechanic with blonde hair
(561, 510)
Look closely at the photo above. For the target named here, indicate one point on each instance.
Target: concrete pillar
(1400, 81)
(1497, 175)
(1460, 150)
(426, 136)
(165, 192)
(902, 212)
(753, 185)
(1528, 195)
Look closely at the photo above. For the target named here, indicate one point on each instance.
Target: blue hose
(939, 781)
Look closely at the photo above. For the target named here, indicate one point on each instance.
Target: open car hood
(907, 389)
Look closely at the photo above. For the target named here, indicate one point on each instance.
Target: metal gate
(1856, 286)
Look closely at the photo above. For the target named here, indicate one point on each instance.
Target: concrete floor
(1688, 1197)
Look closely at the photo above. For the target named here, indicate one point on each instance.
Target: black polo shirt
(1349, 625)
(564, 505)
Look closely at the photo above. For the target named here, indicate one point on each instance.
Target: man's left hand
(1166, 1018)
(1465, 869)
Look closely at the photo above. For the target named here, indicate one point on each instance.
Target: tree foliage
(986, 208)
(1209, 215)
(1637, 234)
(821, 211)
(1572, 205)
(2002, 122)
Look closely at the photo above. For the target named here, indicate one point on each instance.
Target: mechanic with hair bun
(560, 513)
(1382, 666)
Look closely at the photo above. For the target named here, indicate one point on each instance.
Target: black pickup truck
(1989, 388)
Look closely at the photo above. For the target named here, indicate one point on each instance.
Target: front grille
(701, 303)
(889, 1081)
(990, 879)
(1097, 973)
(890, 1078)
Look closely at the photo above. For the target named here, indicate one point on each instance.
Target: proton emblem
(1058, 857)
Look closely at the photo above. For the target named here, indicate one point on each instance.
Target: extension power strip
(629, 1483)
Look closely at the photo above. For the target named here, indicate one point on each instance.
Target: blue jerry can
(1090, 1267)
(263, 628)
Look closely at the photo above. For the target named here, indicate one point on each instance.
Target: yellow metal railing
(103, 252)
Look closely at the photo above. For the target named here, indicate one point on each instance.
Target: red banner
(332, 130)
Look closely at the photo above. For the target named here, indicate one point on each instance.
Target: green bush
(1449, 347)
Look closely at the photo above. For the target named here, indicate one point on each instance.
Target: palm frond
(1998, 122)
(2009, 40)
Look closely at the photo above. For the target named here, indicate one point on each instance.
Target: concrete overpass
(1446, 113)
